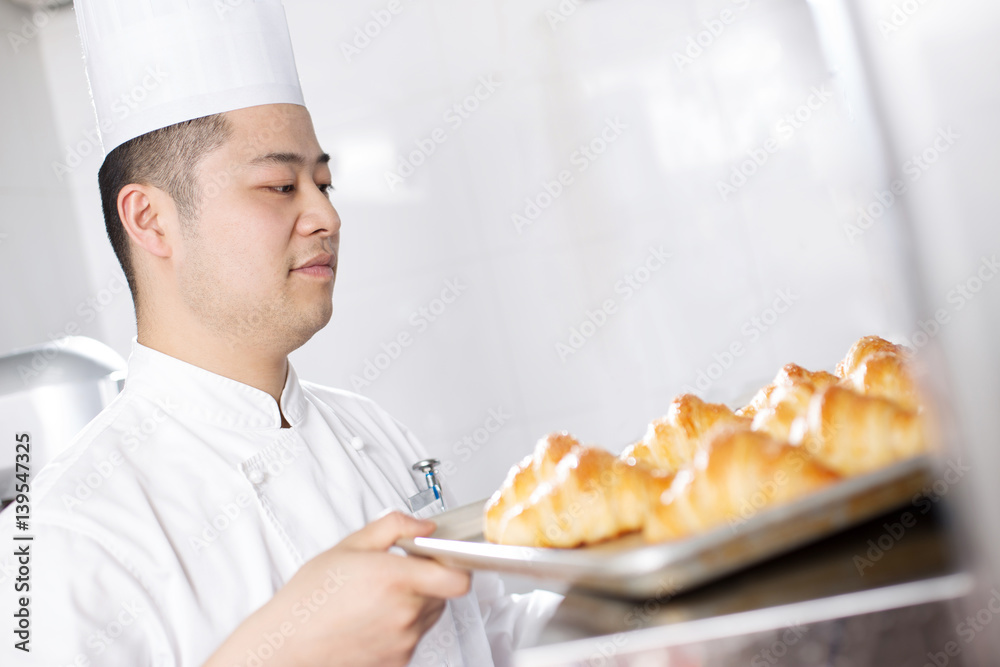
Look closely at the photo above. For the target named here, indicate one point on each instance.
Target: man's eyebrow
(295, 159)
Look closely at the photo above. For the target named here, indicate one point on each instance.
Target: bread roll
(854, 434)
(739, 473)
(591, 496)
(672, 441)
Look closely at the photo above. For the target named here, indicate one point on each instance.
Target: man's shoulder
(83, 469)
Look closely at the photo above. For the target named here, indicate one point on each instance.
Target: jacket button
(357, 443)
(255, 476)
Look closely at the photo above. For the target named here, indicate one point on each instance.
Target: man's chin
(310, 325)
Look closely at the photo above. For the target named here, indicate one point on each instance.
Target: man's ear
(146, 213)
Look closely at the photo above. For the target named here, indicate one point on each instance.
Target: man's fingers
(381, 534)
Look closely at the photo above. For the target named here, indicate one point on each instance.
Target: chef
(221, 511)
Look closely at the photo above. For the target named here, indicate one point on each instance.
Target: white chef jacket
(184, 506)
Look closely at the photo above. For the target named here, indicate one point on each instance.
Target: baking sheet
(629, 567)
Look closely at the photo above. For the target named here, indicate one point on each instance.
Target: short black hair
(167, 159)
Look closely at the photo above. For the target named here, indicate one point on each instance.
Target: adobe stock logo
(697, 44)
(914, 168)
(119, 109)
(901, 15)
(562, 12)
(455, 117)
(628, 286)
(785, 129)
(29, 28)
(584, 156)
(752, 330)
(370, 31)
(420, 320)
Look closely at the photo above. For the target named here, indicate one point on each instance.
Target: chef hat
(154, 63)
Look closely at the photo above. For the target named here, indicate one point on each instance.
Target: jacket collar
(181, 388)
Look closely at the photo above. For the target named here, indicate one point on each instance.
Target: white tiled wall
(685, 129)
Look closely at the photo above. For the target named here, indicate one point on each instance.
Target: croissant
(739, 473)
(592, 496)
(528, 474)
(888, 376)
(672, 441)
(759, 401)
(853, 434)
(788, 399)
(864, 348)
(789, 375)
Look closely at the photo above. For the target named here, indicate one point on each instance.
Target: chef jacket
(184, 507)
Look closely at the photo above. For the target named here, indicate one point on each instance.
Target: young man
(221, 511)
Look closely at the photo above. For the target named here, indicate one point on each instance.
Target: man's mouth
(320, 266)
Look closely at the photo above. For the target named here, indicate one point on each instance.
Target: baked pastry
(864, 348)
(528, 474)
(739, 473)
(886, 375)
(853, 434)
(703, 465)
(591, 496)
(671, 442)
(787, 398)
(789, 375)
(759, 401)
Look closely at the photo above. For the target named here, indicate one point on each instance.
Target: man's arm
(376, 605)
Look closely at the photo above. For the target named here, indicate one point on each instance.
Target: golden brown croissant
(759, 401)
(886, 375)
(864, 348)
(788, 399)
(741, 473)
(592, 496)
(672, 441)
(526, 476)
(789, 375)
(789, 403)
(853, 434)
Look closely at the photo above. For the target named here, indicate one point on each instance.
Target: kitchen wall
(557, 215)
(569, 318)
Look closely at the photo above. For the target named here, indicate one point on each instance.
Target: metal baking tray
(629, 567)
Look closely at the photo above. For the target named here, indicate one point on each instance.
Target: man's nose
(319, 216)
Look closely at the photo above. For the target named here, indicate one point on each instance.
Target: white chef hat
(154, 63)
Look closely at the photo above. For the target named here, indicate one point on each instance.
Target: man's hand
(352, 605)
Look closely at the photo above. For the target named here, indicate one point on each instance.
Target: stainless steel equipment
(51, 391)
(809, 607)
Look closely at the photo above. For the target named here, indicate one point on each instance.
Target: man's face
(259, 263)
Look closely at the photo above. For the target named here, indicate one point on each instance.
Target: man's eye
(284, 189)
(325, 188)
